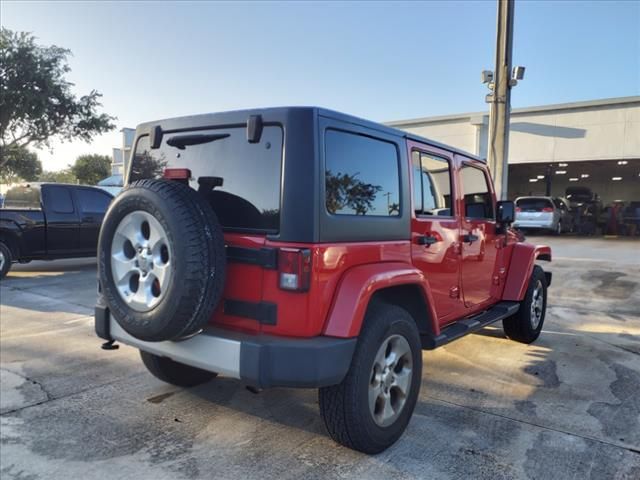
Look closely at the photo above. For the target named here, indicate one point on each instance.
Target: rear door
(480, 243)
(92, 205)
(63, 220)
(435, 227)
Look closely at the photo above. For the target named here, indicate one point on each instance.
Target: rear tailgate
(241, 179)
(242, 306)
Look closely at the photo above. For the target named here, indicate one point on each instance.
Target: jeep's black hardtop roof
(240, 117)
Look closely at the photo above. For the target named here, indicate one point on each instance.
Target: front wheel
(370, 409)
(175, 373)
(5, 260)
(525, 326)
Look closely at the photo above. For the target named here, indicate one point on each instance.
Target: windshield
(249, 197)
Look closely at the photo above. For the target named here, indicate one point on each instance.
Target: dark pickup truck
(47, 221)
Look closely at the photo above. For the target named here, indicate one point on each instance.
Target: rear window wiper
(181, 141)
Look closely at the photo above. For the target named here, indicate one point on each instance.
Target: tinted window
(361, 175)
(478, 202)
(92, 201)
(431, 185)
(533, 204)
(249, 197)
(26, 198)
(59, 200)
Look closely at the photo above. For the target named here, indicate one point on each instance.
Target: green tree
(348, 191)
(90, 169)
(59, 176)
(36, 102)
(18, 164)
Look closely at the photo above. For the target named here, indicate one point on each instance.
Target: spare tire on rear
(161, 260)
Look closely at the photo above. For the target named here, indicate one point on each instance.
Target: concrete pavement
(567, 406)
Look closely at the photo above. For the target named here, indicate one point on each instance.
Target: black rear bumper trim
(270, 361)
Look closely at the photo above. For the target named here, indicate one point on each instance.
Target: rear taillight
(294, 267)
(518, 209)
(547, 209)
(176, 173)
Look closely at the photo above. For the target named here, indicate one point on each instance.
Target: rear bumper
(259, 360)
(545, 224)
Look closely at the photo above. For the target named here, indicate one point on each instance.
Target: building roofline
(542, 108)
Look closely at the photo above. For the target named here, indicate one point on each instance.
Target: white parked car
(543, 213)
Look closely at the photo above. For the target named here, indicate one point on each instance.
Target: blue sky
(380, 60)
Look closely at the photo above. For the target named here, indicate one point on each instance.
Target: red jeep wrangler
(300, 247)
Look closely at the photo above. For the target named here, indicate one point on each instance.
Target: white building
(594, 143)
(120, 155)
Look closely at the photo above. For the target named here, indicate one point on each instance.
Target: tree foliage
(59, 176)
(36, 102)
(18, 164)
(90, 169)
(347, 191)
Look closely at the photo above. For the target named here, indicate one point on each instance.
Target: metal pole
(500, 99)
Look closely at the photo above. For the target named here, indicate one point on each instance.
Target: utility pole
(500, 81)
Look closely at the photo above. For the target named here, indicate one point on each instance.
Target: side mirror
(506, 212)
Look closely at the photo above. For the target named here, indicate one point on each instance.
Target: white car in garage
(543, 213)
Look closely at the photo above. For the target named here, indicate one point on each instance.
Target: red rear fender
(357, 287)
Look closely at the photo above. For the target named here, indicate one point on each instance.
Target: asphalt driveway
(567, 406)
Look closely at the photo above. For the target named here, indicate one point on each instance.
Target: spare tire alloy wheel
(161, 260)
(141, 260)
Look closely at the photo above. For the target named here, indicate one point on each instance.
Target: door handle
(469, 238)
(427, 240)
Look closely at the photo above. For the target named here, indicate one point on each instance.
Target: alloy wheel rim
(390, 380)
(1, 260)
(141, 261)
(537, 305)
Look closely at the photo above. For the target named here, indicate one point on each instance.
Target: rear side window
(249, 197)
(93, 201)
(478, 203)
(361, 175)
(23, 198)
(59, 200)
(533, 204)
(431, 185)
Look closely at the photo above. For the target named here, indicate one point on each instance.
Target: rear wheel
(5, 260)
(526, 325)
(173, 372)
(370, 409)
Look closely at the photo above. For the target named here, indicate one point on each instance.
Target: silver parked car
(543, 213)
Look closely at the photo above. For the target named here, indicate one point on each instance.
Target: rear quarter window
(361, 175)
(249, 197)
